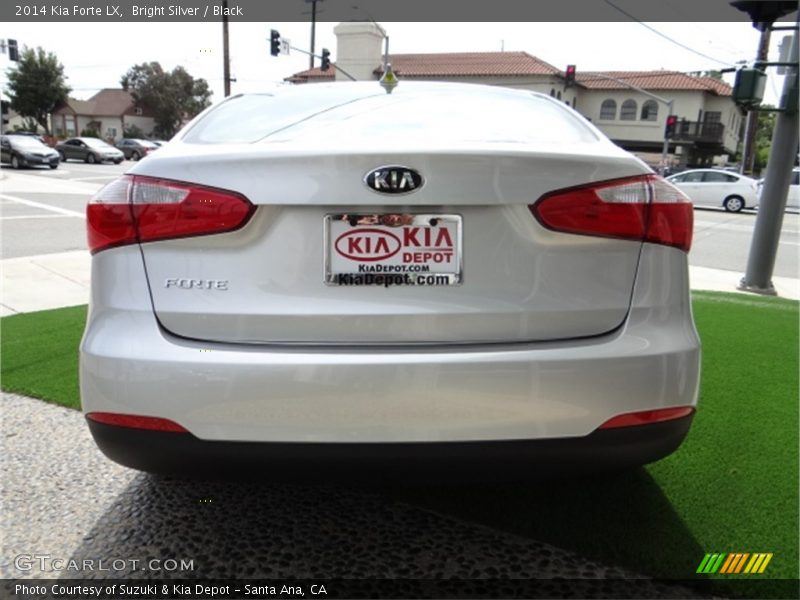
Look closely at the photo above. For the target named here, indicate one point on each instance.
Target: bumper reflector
(136, 422)
(647, 417)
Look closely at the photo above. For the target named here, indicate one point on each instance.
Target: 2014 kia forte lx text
(447, 276)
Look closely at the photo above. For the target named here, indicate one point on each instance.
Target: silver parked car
(135, 149)
(448, 277)
(717, 188)
(88, 149)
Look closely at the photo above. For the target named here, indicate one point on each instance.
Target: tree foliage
(36, 86)
(169, 95)
(763, 142)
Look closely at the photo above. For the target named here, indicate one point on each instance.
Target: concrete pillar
(358, 49)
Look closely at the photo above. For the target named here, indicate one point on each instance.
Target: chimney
(358, 49)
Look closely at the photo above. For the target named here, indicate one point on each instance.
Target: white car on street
(793, 196)
(447, 277)
(717, 188)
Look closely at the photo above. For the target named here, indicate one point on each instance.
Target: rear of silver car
(330, 275)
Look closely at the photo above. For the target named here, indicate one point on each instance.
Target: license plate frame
(432, 243)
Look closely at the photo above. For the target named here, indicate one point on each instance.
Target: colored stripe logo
(734, 563)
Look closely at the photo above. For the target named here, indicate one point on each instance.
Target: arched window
(558, 95)
(628, 111)
(552, 92)
(608, 110)
(650, 111)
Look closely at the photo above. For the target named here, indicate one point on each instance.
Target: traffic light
(569, 76)
(274, 42)
(669, 130)
(326, 60)
(748, 89)
(13, 51)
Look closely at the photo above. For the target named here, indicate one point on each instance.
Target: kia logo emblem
(393, 179)
(367, 244)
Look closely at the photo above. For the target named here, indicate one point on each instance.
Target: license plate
(392, 249)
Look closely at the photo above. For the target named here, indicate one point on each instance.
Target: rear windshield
(445, 115)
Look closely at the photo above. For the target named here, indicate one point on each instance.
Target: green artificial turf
(731, 487)
(39, 354)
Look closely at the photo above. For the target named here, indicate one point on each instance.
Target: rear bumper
(521, 401)
(184, 455)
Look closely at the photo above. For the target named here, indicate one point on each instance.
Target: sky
(96, 55)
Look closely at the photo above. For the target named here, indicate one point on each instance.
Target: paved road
(53, 223)
(61, 497)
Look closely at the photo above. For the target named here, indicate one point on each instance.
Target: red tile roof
(486, 64)
(453, 64)
(653, 80)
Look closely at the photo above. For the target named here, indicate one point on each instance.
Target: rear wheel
(135, 155)
(733, 203)
(91, 159)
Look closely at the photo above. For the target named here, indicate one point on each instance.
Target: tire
(15, 163)
(116, 162)
(62, 156)
(733, 203)
(55, 166)
(91, 158)
(135, 155)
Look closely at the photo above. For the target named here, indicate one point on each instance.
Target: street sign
(285, 46)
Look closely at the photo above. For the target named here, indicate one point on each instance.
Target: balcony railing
(699, 131)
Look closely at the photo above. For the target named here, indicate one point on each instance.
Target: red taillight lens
(144, 209)
(645, 208)
(646, 417)
(135, 422)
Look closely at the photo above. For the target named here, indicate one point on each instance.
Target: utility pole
(226, 58)
(748, 145)
(772, 203)
(313, 30)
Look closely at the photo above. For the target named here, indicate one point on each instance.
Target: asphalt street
(47, 218)
(62, 498)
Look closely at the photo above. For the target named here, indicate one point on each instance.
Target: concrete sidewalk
(34, 283)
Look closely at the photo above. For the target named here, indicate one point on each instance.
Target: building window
(650, 110)
(558, 95)
(712, 117)
(628, 111)
(138, 111)
(608, 110)
(552, 92)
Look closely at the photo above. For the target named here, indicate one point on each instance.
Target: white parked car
(448, 277)
(718, 188)
(793, 197)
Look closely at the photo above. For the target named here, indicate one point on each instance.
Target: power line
(666, 37)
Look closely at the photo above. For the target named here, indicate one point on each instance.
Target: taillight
(647, 417)
(644, 208)
(144, 209)
(135, 422)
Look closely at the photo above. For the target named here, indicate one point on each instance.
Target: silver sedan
(447, 277)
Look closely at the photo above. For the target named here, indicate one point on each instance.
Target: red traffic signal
(569, 76)
(669, 130)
